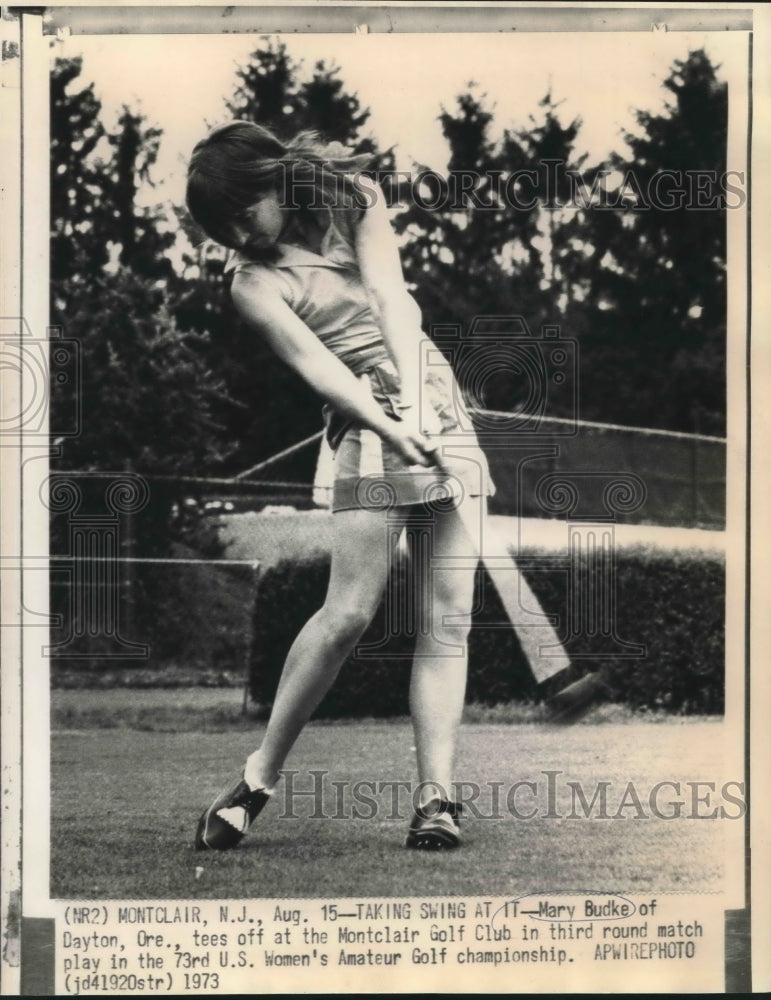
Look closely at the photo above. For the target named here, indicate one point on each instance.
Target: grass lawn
(221, 709)
(125, 803)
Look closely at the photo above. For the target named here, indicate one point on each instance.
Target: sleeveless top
(326, 291)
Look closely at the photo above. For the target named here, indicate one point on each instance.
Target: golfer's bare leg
(439, 670)
(362, 545)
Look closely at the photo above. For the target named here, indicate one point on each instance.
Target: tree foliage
(79, 219)
(654, 321)
(274, 90)
(95, 177)
(638, 285)
(146, 393)
(501, 249)
(454, 253)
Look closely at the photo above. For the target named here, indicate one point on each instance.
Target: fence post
(249, 641)
(128, 562)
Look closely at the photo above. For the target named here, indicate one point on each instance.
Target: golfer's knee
(451, 617)
(344, 626)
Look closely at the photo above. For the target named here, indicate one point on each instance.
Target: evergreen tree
(271, 90)
(95, 176)
(656, 316)
(496, 249)
(455, 236)
(547, 149)
(146, 393)
(136, 230)
(641, 290)
(79, 218)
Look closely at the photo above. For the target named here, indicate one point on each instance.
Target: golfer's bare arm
(296, 344)
(397, 311)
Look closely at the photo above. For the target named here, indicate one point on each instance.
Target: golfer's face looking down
(259, 226)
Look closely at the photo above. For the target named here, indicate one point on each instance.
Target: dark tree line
(175, 383)
(149, 398)
(147, 392)
(635, 275)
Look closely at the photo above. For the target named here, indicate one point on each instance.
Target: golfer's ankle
(431, 796)
(256, 776)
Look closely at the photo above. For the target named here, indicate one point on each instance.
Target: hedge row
(192, 616)
(669, 607)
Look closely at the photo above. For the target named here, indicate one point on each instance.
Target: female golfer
(317, 275)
